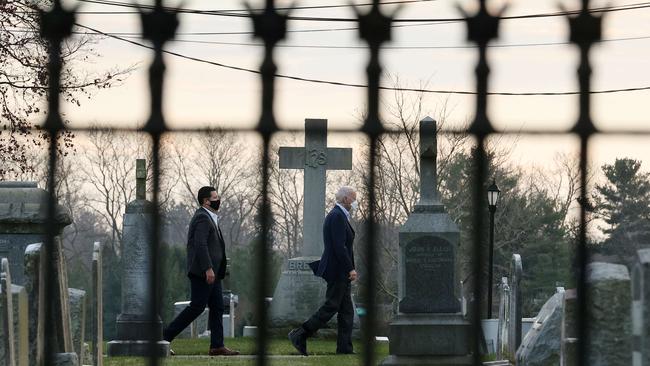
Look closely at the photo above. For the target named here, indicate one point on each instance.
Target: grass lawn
(193, 352)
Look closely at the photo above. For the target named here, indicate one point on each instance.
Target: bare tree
(224, 161)
(24, 77)
(108, 170)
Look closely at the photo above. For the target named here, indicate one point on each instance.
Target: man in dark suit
(206, 267)
(336, 266)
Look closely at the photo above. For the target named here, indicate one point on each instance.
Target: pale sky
(203, 95)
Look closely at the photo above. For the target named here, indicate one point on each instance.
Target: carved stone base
(298, 295)
(136, 348)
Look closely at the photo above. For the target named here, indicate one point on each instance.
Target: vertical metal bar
(585, 31)
(159, 26)
(56, 25)
(271, 27)
(481, 29)
(375, 29)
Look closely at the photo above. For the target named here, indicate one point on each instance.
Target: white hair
(344, 191)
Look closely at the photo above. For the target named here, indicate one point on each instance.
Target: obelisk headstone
(298, 292)
(134, 322)
(429, 328)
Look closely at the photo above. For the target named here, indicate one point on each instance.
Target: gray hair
(343, 192)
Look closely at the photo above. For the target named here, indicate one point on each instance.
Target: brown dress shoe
(222, 351)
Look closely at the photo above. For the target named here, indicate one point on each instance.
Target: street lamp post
(493, 198)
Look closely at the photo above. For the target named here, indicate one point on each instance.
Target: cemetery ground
(192, 352)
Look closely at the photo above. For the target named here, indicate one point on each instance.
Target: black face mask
(215, 204)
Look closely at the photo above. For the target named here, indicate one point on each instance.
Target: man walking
(206, 267)
(336, 266)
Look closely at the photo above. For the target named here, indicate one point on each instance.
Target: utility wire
(353, 85)
(398, 20)
(208, 12)
(469, 46)
(252, 44)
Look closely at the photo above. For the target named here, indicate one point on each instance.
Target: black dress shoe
(298, 338)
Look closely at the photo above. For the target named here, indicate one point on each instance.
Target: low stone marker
(7, 350)
(608, 320)
(21, 327)
(641, 309)
(97, 307)
(33, 280)
(514, 324)
(504, 316)
(569, 337)
(541, 345)
(78, 320)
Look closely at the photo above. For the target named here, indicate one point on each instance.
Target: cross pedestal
(299, 293)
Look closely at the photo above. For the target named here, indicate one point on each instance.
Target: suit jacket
(338, 253)
(205, 246)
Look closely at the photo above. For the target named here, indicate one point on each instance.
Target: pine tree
(623, 203)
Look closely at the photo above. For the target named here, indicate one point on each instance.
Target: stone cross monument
(134, 322)
(298, 292)
(429, 328)
(315, 159)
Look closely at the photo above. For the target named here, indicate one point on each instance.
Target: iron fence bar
(375, 29)
(158, 26)
(481, 29)
(271, 27)
(55, 26)
(586, 30)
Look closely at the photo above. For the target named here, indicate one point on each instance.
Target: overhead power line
(353, 85)
(209, 11)
(336, 47)
(397, 20)
(450, 47)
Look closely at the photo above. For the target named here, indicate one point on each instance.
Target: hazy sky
(198, 94)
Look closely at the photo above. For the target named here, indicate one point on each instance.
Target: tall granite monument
(134, 322)
(298, 292)
(429, 328)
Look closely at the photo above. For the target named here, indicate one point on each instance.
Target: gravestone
(608, 318)
(36, 318)
(541, 345)
(98, 307)
(429, 328)
(78, 320)
(569, 337)
(39, 274)
(298, 292)
(514, 332)
(21, 329)
(504, 317)
(134, 323)
(23, 214)
(7, 342)
(641, 309)
(198, 326)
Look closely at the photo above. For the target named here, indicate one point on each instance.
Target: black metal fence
(159, 26)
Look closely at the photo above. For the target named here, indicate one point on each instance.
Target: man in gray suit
(206, 267)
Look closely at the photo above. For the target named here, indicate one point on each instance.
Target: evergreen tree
(623, 203)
